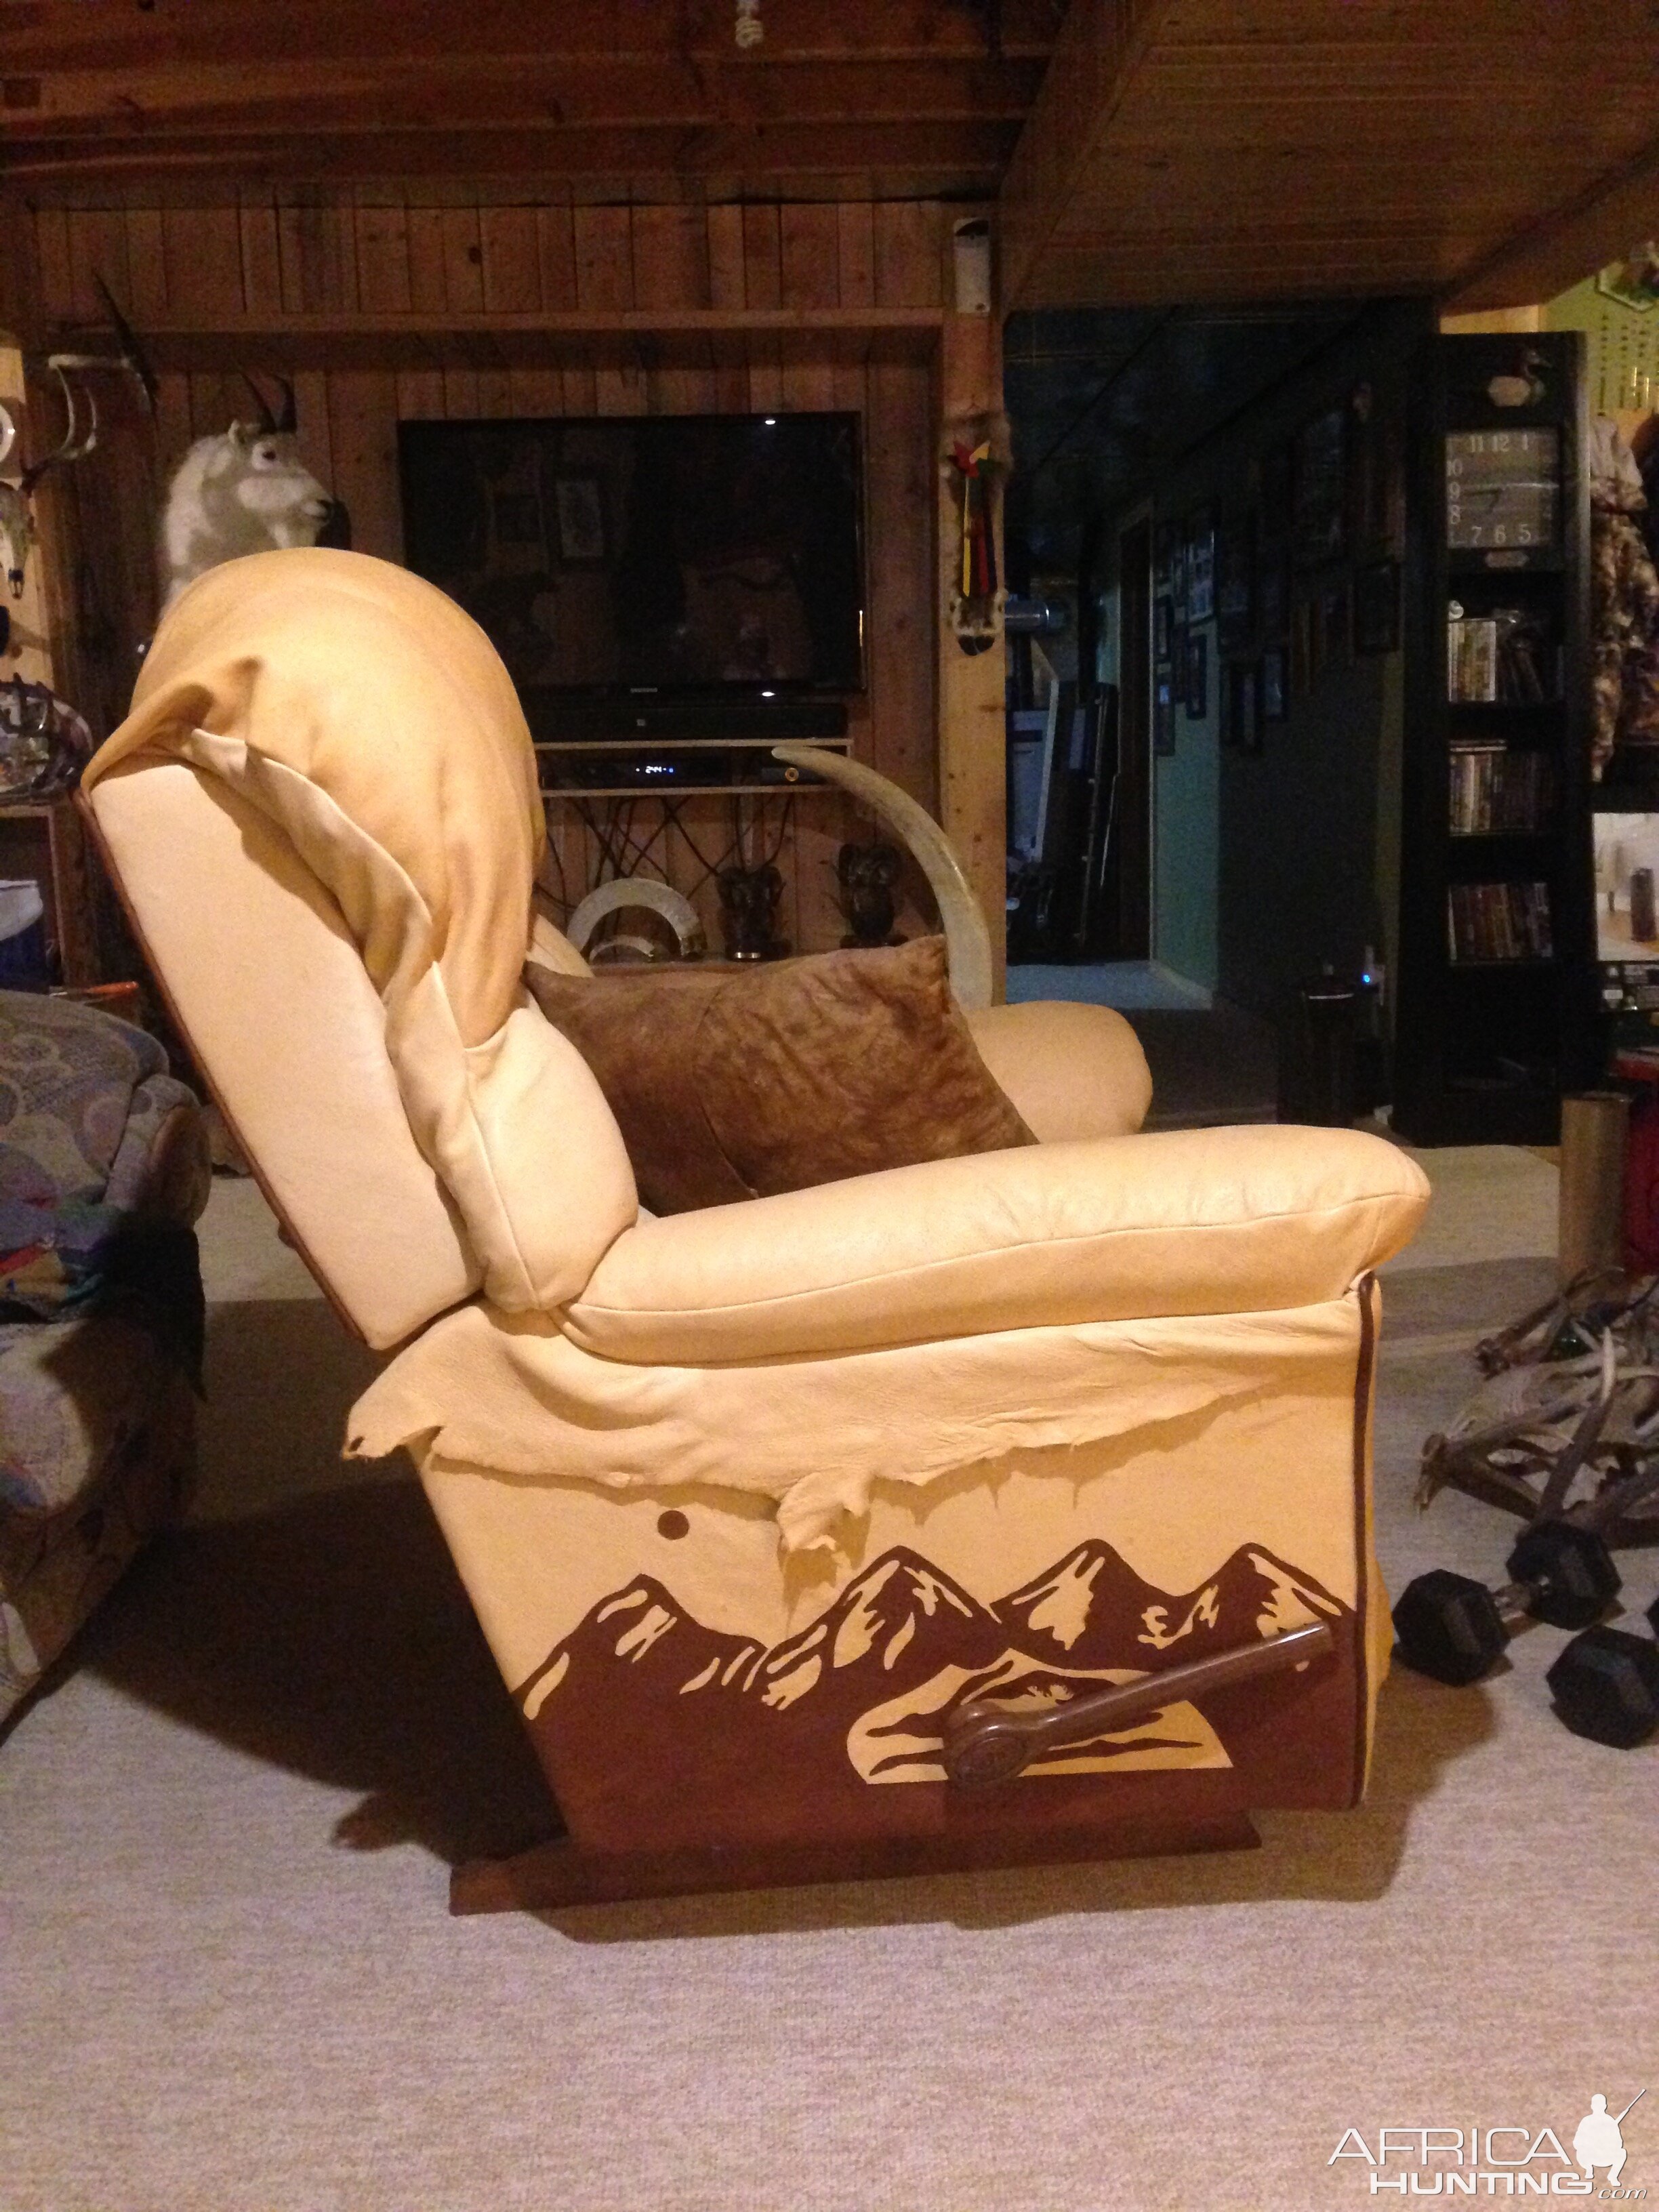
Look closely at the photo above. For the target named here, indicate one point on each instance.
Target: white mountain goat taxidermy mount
(245, 490)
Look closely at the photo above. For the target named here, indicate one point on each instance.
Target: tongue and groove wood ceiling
(928, 94)
(1145, 151)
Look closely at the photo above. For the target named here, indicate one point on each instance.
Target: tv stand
(604, 768)
(632, 745)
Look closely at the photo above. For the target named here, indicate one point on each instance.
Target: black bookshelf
(1495, 1009)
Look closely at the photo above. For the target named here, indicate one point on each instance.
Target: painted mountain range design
(864, 1691)
(1093, 1610)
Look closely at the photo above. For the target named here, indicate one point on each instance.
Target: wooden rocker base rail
(552, 1875)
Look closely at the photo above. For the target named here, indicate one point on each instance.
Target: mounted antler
(16, 520)
(74, 445)
(131, 358)
(16, 516)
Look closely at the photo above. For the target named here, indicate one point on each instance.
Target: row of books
(1506, 655)
(1498, 792)
(1498, 922)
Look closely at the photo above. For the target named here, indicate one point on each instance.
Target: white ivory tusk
(623, 891)
(967, 941)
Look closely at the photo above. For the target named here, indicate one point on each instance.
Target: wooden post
(972, 733)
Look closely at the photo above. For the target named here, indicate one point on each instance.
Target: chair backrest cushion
(273, 1000)
(369, 723)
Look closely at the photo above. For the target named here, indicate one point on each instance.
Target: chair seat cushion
(736, 1083)
(1185, 1222)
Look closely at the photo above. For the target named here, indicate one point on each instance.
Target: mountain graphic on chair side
(1093, 1610)
(865, 1688)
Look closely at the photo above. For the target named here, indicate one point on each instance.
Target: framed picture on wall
(1273, 591)
(1366, 490)
(1200, 566)
(1162, 626)
(1275, 685)
(1335, 624)
(1198, 675)
(1164, 721)
(1244, 707)
(578, 504)
(1392, 436)
(1276, 477)
(1304, 652)
(1235, 579)
(1376, 607)
(1319, 533)
(1166, 547)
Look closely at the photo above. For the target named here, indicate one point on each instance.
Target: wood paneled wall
(442, 250)
(385, 304)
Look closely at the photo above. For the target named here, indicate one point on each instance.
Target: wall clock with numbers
(1503, 489)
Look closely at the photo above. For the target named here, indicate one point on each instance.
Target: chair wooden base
(559, 1873)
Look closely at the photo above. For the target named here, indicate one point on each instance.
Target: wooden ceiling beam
(665, 93)
(1235, 282)
(1533, 25)
(1102, 47)
(1542, 258)
(41, 36)
(970, 155)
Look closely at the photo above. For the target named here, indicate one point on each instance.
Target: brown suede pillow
(733, 1082)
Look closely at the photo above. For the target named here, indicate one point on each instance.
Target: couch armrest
(1072, 1071)
(1192, 1221)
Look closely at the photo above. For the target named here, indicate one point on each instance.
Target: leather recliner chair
(990, 1510)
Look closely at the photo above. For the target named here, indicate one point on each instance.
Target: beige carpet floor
(228, 1984)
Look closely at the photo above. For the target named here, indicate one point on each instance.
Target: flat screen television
(613, 556)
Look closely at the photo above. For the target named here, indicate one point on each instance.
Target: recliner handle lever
(985, 1742)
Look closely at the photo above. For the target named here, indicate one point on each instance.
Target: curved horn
(966, 939)
(88, 438)
(288, 419)
(267, 420)
(67, 450)
(132, 354)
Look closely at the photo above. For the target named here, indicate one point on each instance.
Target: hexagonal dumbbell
(1605, 1685)
(1454, 1629)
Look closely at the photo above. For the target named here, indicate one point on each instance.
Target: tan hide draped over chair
(775, 1515)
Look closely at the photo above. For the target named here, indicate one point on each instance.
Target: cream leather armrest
(1191, 1221)
(1072, 1071)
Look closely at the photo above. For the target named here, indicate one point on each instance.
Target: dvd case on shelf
(1499, 790)
(1506, 656)
(1490, 922)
